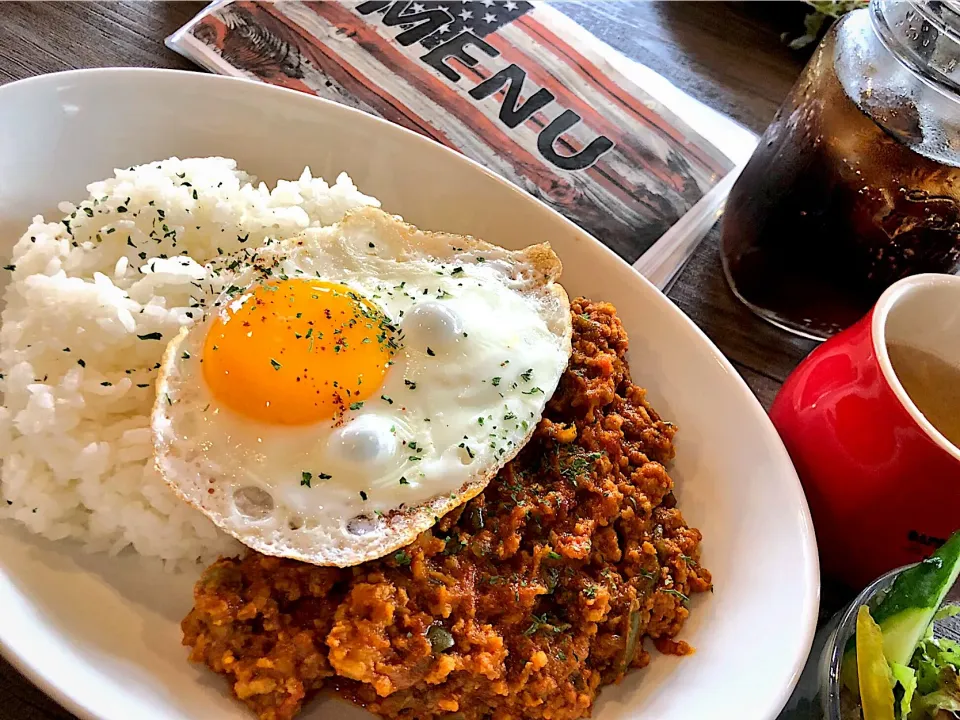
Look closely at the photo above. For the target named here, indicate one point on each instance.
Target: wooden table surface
(728, 55)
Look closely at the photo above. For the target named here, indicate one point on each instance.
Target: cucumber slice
(908, 607)
(913, 600)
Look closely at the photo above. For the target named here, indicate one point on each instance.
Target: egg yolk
(297, 352)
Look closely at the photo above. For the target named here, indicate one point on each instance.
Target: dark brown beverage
(836, 204)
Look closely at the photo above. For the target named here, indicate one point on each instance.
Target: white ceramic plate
(102, 636)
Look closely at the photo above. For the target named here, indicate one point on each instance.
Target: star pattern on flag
(481, 18)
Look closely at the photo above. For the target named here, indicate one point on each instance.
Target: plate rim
(770, 438)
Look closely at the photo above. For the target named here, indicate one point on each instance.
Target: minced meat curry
(522, 603)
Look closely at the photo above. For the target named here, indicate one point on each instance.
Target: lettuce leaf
(836, 8)
(936, 674)
(907, 677)
(813, 23)
(947, 611)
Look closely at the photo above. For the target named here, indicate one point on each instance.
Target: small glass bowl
(817, 694)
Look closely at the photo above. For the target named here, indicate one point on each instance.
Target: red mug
(882, 482)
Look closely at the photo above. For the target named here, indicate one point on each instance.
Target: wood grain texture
(38, 38)
(728, 55)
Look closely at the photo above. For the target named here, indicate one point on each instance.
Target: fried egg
(348, 387)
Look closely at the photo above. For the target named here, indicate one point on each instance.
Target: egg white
(485, 338)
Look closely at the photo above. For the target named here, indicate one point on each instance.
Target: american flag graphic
(497, 80)
(481, 18)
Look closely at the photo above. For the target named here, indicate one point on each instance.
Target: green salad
(823, 10)
(894, 668)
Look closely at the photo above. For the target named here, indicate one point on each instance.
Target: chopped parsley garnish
(496, 381)
(151, 336)
(590, 591)
(430, 352)
(106, 384)
(457, 271)
(525, 376)
(323, 476)
(11, 268)
(276, 365)
(404, 481)
(401, 558)
(414, 458)
(143, 385)
(480, 420)
(647, 574)
(356, 405)
(554, 555)
(671, 591)
(411, 385)
(185, 356)
(363, 496)
(387, 400)
(453, 546)
(531, 391)
(537, 623)
(509, 416)
(81, 363)
(305, 478)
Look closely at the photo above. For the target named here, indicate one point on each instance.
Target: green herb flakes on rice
(92, 301)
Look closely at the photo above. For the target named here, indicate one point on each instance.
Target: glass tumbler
(856, 182)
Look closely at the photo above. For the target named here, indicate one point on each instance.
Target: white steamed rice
(86, 296)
